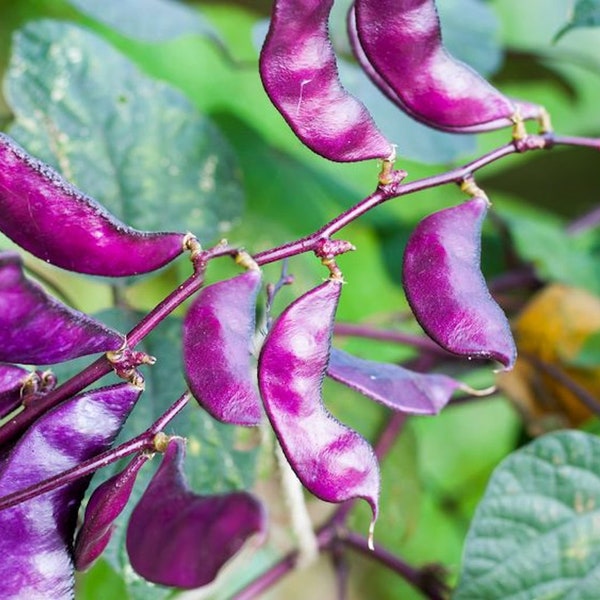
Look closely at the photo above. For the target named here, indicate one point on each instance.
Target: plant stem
(140, 443)
(84, 469)
(424, 580)
(365, 331)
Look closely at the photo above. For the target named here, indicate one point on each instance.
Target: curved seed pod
(37, 329)
(391, 385)
(334, 462)
(39, 532)
(178, 538)
(446, 289)
(400, 44)
(217, 340)
(50, 218)
(105, 505)
(299, 72)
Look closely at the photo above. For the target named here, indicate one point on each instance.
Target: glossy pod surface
(401, 41)
(218, 333)
(391, 385)
(331, 460)
(299, 72)
(179, 538)
(40, 531)
(104, 506)
(446, 289)
(37, 329)
(50, 218)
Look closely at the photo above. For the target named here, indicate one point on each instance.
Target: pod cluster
(398, 43)
(285, 383)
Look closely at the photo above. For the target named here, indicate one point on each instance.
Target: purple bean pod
(299, 72)
(218, 333)
(37, 329)
(446, 289)
(104, 506)
(39, 532)
(393, 386)
(47, 216)
(178, 538)
(399, 44)
(331, 460)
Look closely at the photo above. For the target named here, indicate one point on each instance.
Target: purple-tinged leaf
(217, 341)
(37, 329)
(399, 43)
(178, 538)
(37, 534)
(299, 71)
(446, 289)
(104, 506)
(47, 216)
(392, 385)
(331, 460)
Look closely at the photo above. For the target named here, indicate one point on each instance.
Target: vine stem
(311, 243)
(141, 443)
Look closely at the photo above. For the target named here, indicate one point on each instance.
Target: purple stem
(144, 441)
(101, 366)
(424, 580)
(585, 222)
(561, 377)
(409, 339)
(309, 243)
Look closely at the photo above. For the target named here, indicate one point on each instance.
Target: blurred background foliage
(155, 108)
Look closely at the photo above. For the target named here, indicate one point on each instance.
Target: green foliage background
(156, 109)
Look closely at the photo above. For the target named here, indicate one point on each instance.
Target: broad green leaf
(555, 255)
(148, 20)
(586, 13)
(136, 145)
(213, 462)
(536, 532)
(474, 40)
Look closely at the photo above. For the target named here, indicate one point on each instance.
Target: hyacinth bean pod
(331, 460)
(104, 506)
(37, 329)
(391, 385)
(446, 289)
(218, 332)
(399, 43)
(36, 203)
(299, 72)
(39, 532)
(178, 538)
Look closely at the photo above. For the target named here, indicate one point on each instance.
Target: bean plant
(348, 379)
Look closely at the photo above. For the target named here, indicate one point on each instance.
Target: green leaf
(586, 13)
(136, 145)
(213, 462)
(474, 40)
(535, 534)
(554, 254)
(148, 20)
